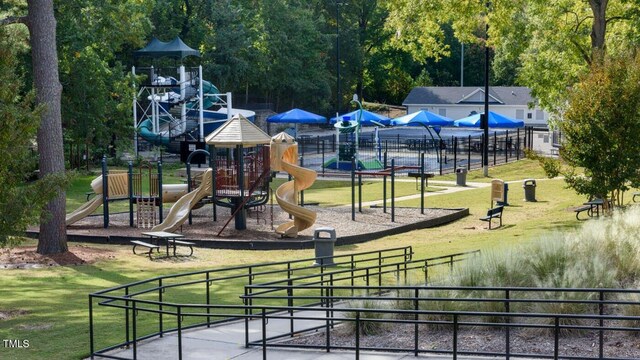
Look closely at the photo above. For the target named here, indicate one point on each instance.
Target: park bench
(587, 208)
(418, 175)
(147, 245)
(495, 213)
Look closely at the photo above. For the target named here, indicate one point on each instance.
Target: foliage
(95, 41)
(601, 118)
(20, 201)
(370, 321)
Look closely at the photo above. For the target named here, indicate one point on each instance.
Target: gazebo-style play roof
(238, 131)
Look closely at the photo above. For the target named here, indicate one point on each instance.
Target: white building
(459, 102)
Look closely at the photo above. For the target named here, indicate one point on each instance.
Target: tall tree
(41, 22)
(601, 119)
(20, 200)
(551, 42)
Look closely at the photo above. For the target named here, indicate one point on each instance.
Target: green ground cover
(55, 299)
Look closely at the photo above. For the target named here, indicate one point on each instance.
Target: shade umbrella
(368, 118)
(495, 121)
(297, 116)
(422, 118)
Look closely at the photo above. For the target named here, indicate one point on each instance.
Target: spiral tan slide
(287, 195)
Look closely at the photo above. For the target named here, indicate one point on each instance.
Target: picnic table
(169, 239)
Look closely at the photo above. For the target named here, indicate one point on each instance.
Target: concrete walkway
(226, 341)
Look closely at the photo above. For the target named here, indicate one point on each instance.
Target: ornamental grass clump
(371, 321)
(603, 253)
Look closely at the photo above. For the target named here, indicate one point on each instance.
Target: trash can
(324, 246)
(461, 177)
(529, 190)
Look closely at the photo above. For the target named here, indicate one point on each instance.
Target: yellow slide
(287, 195)
(90, 206)
(180, 210)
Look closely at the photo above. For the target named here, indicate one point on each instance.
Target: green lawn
(55, 298)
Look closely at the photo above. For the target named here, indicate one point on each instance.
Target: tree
(292, 55)
(41, 23)
(20, 202)
(95, 52)
(550, 42)
(599, 127)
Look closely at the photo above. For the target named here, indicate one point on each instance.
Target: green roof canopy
(176, 49)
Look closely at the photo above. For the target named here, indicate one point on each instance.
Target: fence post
(134, 330)
(302, 191)
(318, 144)
(507, 309)
(91, 345)
(601, 331)
(353, 189)
(179, 332)
(422, 183)
(506, 147)
(416, 308)
(440, 152)
(359, 192)
(495, 146)
(322, 157)
(264, 334)
(469, 153)
(357, 335)
(384, 186)
(518, 144)
(126, 314)
(393, 190)
(455, 153)
(160, 290)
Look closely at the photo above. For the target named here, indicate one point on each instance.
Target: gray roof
(504, 95)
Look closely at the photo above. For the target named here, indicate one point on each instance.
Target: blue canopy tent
(368, 118)
(495, 121)
(297, 116)
(427, 119)
(422, 118)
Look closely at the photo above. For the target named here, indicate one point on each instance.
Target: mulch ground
(23, 257)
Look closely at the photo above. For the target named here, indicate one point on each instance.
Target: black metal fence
(441, 155)
(357, 293)
(167, 304)
(552, 315)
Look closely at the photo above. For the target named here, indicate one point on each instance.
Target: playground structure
(180, 211)
(121, 185)
(167, 110)
(284, 156)
(349, 149)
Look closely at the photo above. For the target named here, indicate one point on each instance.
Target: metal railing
(147, 310)
(597, 312)
(153, 292)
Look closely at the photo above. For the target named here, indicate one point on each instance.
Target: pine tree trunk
(42, 28)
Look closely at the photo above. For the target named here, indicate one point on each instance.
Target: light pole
(484, 122)
(338, 89)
